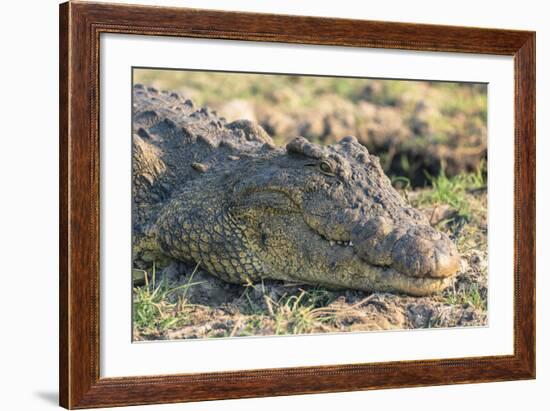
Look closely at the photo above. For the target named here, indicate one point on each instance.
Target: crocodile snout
(415, 250)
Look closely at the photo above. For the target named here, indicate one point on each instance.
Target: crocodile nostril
(424, 252)
(446, 262)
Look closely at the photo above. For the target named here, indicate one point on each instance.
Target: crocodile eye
(326, 167)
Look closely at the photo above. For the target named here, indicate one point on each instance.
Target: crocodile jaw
(345, 268)
(416, 250)
(409, 252)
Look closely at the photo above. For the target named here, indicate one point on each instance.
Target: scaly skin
(220, 194)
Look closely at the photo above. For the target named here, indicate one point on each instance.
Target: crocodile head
(320, 215)
(330, 215)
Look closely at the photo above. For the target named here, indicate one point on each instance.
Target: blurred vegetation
(216, 88)
(413, 126)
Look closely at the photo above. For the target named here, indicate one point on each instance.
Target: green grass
(469, 295)
(159, 305)
(300, 314)
(452, 191)
(297, 313)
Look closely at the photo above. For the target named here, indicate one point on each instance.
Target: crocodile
(221, 195)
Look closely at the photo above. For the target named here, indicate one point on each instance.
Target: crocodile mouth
(406, 251)
(413, 250)
(417, 250)
(344, 258)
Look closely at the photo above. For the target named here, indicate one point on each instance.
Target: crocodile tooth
(350, 244)
(331, 243)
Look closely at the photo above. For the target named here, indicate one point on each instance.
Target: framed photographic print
(258, 205)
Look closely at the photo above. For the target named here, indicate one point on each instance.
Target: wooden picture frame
(80, 27)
